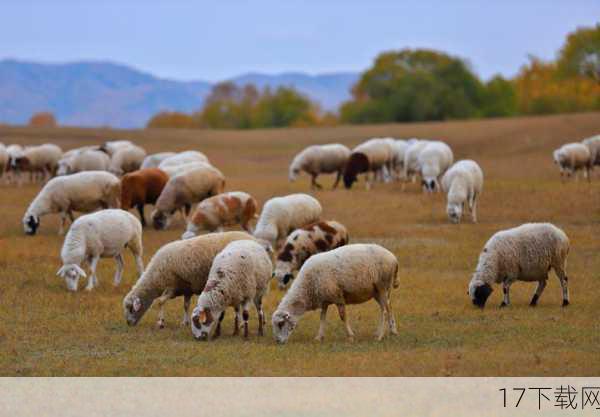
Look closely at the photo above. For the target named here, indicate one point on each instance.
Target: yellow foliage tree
(42, 119)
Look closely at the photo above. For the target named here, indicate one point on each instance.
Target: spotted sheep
(305, 242)
(41, 162)
(373, 157)
(525, 253)
(226, 209)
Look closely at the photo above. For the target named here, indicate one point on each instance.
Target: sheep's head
(294, 172)
(134, 308)
(479, 292)
(71, 274)
(161, 220)
(204, 321)
(429, 184)
(454, 212)
(283, 325)
(31, 224)
(283, 273)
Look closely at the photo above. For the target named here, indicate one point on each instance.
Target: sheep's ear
(61, 271)
(80, 271)
(137, 304)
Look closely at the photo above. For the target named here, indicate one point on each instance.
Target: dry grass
(47, 331)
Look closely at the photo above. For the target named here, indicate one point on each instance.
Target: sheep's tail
(396, 282)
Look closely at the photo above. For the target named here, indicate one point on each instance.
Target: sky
(216, 40)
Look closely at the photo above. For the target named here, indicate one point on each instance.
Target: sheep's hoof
(186, 322)
(394, 332)
(89, 288)
(503, 304)
(160, 324)
(565, 303)
(319, 338)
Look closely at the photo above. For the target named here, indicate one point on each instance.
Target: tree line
(416, 85)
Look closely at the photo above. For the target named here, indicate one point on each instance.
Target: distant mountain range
(108, 94)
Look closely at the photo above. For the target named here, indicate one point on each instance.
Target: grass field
(47, 331)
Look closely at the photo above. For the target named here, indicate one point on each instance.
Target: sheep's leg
(140, 209)
(186, 310)
(321, 333)
(391, 318)
(538, 292)
(246, 317)
(261, 315)
(369, 181)
(135, 246)
(344, 318)
(218, 329)
(564, 283)
(92, 280)
(166, 295)
(474, 209)
(382, 301)
(337, 179)
(119, 271)
(63, 223)
(236, 321)
(506, 293)
(314, 183)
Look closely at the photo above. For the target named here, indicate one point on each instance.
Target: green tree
(499, 98)
(580, 56)
(284, 107)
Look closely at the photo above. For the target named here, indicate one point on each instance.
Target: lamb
(127, 159)
(185, 189)
(303, 243)
(572, 158)
(183, 158)
(225, 209)
(112, 146)
(282, 215)
(84, 192)
(593, 145)
(84, 160)
(524, 253)
(142, 187)
(320, 159)
(103, 234)
(434, 159)
(463, 183)
(239, 276)
(178, 268)
(38, 160)
(411, 158)
(352, 274)
(372, 156)
(154, 160)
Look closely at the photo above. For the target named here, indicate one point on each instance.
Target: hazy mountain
(108, 94)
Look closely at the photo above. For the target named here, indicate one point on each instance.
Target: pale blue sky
(214, 40)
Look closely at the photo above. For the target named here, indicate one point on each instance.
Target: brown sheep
(142, 187)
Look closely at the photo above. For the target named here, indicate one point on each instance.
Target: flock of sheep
(234, 269)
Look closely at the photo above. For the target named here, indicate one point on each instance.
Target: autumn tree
(580, 56)
(42, 119)
(171, 120)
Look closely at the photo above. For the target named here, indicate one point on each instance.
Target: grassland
(46, 331)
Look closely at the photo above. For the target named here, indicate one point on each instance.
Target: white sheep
(112, 146)
(226, 209)
(463, 183)
(103, 234)
(399, 148)
(593, 145)
(183, 158)
(573, 157)
(524, 253)
(371, 157)
(239, 277)
(173, 170)
(434, 159)
(351, 274)
(40, 161)
(186, 189)
(178, 268)
(411, 158)
(303, 243)
(126, 159)
(320, 159)
(281, 215)
(154, 160)
(83, 160)
(84, 192)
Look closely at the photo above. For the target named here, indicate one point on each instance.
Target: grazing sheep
(239, 276)
(174, 170)
(464, 183)
(320, 159)
(126, 159)
(183, 158)
(14, 151)
(352, 274)
(40, 161)
(142, 187)
(399, 148)
(3, 160)
(84, 160)
(154, 160)
(411, 158)
(434, 159)
(112, 146)
(593, 145)
(524, 253)
(178, 268)
(84, 192)
(303, 243)
(103, 234)
(225, 209)
(373, 156)
(185, 189)
(281, 215)
(572, 158)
